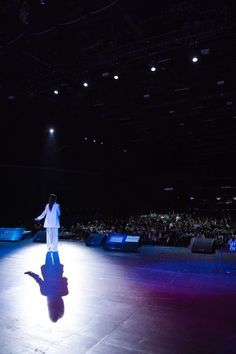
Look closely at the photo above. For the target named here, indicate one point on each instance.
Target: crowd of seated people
(173, 229)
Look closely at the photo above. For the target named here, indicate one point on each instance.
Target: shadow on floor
(52, 285)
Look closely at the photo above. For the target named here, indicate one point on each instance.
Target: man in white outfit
(51, 223)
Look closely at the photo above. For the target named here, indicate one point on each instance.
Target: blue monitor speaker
(95, 240)
(11, 233)
(122, 242)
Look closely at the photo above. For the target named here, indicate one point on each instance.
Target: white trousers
(52, 238)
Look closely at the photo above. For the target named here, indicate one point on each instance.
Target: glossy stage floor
(161, 300)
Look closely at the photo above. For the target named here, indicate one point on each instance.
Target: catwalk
(161, 300)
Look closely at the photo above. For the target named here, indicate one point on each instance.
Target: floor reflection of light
(24, 297)
(90, 273)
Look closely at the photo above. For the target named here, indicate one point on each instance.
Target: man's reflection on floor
(52, 284)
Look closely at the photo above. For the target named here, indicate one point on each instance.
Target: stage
(160, 300)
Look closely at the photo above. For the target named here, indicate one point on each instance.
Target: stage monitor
(203, 245)
(122, 242)
(11, 233)
(95, 239)
(116, 238)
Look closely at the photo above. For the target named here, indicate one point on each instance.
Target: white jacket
(51, 216)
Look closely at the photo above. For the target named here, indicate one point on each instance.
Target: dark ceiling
(177, 122)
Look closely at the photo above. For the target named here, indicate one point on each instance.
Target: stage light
(94, 140)
(85, 84)
(101, 142)
(86, 138)
(116, 77)
(56, 92)
(191, 198)
(195, 59)
(51, 131)
(218, 198)
(153, 68)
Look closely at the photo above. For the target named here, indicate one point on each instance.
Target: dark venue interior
(126, 111)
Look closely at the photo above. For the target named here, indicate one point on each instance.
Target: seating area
(169, 229)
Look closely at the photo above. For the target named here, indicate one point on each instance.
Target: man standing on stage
(51, 223)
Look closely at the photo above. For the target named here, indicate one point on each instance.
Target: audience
(174, 229)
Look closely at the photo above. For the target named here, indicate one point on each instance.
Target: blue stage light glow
(122, 238)
(11, 234)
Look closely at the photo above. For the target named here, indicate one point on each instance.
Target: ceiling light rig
(93, 140)
(205, 51)
(195, 59)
